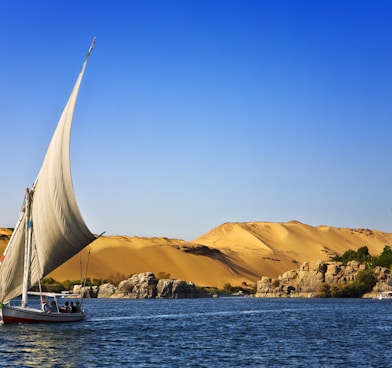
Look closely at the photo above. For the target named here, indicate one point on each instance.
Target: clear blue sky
(194, 113)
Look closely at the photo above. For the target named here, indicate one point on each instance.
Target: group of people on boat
(66, 308)
(70, 307)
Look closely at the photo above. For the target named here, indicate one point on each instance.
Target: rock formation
(86, 291)
(139, 286)
(106, 290)
(311, 276)
(143, 286)
(175, 289)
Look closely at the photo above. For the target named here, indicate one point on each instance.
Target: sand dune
(5, 234)
(230, 253)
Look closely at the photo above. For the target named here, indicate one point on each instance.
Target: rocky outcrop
(140, 286)
(143, 286)
(86, 291)
(311, 276)
(106, 290)
(175, 289)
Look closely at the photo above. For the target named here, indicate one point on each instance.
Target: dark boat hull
(17, 314)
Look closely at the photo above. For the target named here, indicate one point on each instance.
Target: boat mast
(27, 259)
(29, 197)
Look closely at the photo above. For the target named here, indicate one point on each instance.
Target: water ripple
(230, 332)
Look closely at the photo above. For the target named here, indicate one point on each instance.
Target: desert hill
(5, 234)
(230, 253)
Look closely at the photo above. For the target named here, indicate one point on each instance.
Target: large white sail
(58, 229)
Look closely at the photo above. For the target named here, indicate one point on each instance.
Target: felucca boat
(50, 230)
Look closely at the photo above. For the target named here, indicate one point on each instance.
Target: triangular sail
(59, 231)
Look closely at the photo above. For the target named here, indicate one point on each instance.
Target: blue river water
(221, 332)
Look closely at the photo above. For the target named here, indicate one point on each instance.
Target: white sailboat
(50, 230)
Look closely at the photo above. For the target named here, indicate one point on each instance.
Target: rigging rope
(84, 282)
(40, 273)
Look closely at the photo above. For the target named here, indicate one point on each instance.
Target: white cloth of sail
(59, 231)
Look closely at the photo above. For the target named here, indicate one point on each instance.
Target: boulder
(174, 289)
(106, 290)
(183, 289)
(139, 286)
(86, 291)
(164, 288)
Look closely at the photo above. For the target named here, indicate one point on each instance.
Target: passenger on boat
(65, 308)
(73, 308)
(53, 307)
